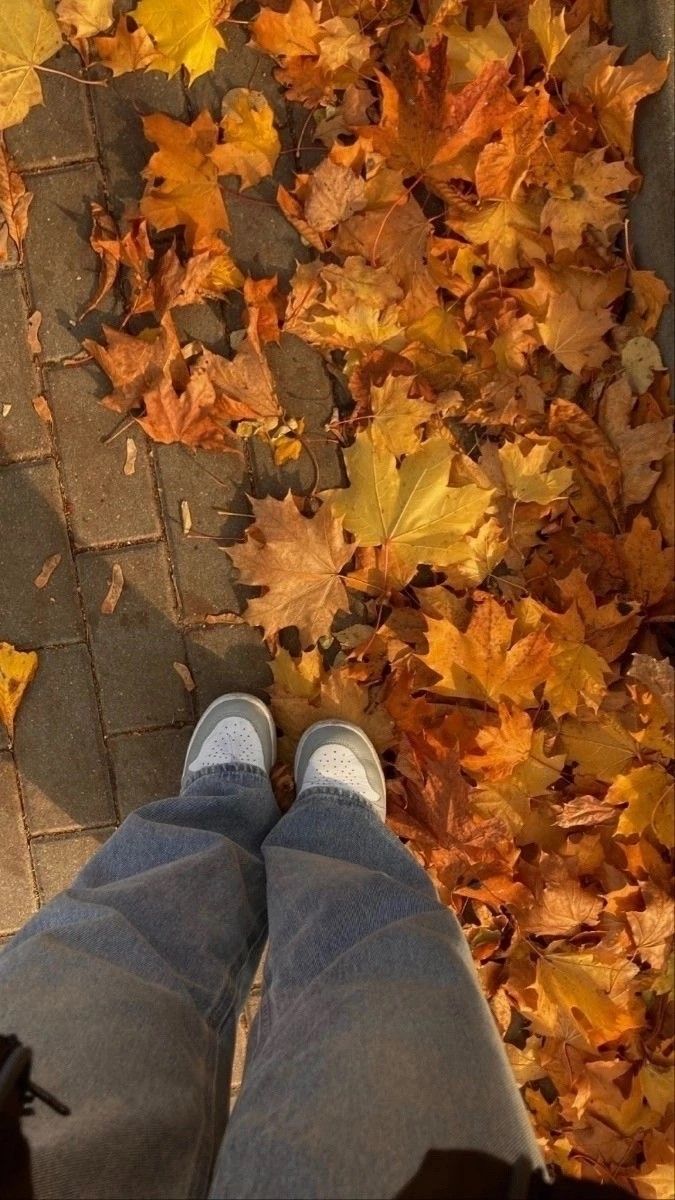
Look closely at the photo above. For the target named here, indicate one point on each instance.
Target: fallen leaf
(185, 33)
(575, 336)
(185, 517)
(335, 194)
(549, 29)
(42, 409)
(130, 457)
(48, 568)
(29, 35)
(645, 796)
(187, 192)
(487, 662)
(111, 599)
(251, 146)
(130, 48)
(641, 359)
(293, 33)
(411, 512)
(84, 18)
(33, 332)
(15, 199)
(638, 447)
(16, 671)
(184, 672)
(306, 591)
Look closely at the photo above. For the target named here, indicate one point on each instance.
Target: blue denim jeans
(372, 1043)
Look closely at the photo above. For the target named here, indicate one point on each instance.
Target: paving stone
(227, 658)
(62, 266)
(60, 130)
(118, 109)
(22, 433)
(17, 896)
(57, 860)
(105, 505)
(301, 476)
(135, 646)
(148, 766)
(203, 572)
(205, 323)
(302, 381)
(240, 65)
(64, 775)
(30, 503)
(263, 243)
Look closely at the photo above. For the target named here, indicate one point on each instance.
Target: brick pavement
(106, 721)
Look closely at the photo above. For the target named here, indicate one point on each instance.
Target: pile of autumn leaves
(486, 595)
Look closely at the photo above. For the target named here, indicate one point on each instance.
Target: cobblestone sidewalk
(106, 721)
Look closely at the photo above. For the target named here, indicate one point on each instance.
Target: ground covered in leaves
(489, 594)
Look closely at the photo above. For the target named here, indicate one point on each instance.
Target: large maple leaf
(488, 661)
(304, 589)
(410, 511)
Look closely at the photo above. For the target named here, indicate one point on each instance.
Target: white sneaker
(236, 728)
(338, 754)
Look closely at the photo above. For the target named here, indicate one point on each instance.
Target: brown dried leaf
(109, 603)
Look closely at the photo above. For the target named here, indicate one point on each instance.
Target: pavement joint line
(147, 539)
(138, 730)
(63, 835)
(71, 164)
(35, 887)
(40, 368)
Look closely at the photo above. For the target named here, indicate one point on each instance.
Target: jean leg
(373, 1042)
(128, 985)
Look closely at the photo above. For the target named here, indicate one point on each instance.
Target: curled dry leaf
(14, 199)
(48, 568)
(33, 332)
(42, 409)
(185, 517)
(111, 599)
(184, 672)
(130, 457)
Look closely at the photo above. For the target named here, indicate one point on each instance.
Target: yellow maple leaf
(184, 32)
(29, 35)
(527, 475)
(397, 416)
(548, 29)
(601, 747)
(411, 512)
(575, 336)
(487, 662)
(616, 91)
(470, 49)
(251, 145)
(509, 229)
(647, 793)
(592, 994)
(16, 671)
